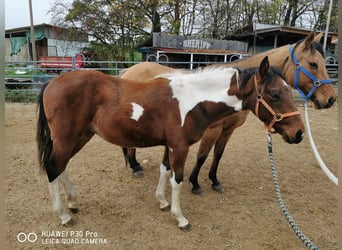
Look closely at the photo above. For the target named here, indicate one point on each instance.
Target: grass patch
(22, 96)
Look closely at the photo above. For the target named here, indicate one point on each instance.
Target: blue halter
(316, 82)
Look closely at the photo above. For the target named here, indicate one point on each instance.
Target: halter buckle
(317, 83)
(298, 66)
(278, 117)
(259, 97)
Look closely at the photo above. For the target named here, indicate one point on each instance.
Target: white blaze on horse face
(137, 111)
(205, 85)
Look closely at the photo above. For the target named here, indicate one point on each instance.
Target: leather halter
(277, 117)
(300, 68)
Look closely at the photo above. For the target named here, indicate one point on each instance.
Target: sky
(17, 12)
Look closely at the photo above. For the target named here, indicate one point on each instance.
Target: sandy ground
(118, 211)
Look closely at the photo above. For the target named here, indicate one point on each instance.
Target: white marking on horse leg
(57, 205)
(160, 192)
(137, 111)
(70, 190)
(175, 207)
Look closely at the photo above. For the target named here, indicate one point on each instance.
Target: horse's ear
(234, 88)
(309, 39)
(264, 67)
(318, 37)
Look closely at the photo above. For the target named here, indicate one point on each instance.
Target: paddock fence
(23, 79)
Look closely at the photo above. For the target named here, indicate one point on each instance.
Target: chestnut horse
(303, 66)
(173, 110)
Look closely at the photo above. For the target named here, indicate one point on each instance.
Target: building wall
(64, 48)
(23, 55)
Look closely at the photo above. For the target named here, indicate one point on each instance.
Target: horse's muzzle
(297, 139)
(327, 105)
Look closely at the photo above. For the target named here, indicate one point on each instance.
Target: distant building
(262, 37)
(50, 41)
(189, 51)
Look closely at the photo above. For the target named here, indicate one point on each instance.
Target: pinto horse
(173, 110)
(303, 66)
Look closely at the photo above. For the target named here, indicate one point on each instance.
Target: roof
(267, 29)
(25, 28)
(199, 51)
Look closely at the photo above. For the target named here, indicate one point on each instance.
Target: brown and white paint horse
(173, 110)
(307, 53)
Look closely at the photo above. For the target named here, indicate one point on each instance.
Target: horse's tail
(126, 156)
(43, 136)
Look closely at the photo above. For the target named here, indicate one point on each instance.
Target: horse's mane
(249, 72)
(314, 46)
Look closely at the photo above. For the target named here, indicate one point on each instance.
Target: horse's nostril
(299, 136)
(331, 101)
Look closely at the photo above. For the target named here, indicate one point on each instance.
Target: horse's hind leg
(130, 157)
(164, 176)
(64, 179)
(61, 157)
(70, 192)
(57, 205)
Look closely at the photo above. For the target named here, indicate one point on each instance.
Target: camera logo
(30, 237)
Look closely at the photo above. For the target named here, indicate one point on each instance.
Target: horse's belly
(130, 136)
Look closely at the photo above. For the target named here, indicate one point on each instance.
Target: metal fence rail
(23, 79)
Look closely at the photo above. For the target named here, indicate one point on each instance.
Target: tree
(118, 26)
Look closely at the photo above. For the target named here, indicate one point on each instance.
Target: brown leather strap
(277, 117)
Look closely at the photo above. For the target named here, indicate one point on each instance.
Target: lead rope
(321, 163)
(310, 245)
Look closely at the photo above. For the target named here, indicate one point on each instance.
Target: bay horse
(303, 66)
(172, 110)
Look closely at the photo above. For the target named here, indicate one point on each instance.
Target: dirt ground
(118, 211)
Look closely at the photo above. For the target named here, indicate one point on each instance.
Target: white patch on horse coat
(57, 204)
(205, 85)
(285, 83)
(160, 192)
(175, 203)
(137, 111)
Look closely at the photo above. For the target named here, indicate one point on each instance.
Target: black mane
(249, 72)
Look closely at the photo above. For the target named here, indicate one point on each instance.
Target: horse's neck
(191, 90)
(276, 57)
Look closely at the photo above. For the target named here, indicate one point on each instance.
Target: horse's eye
(274, 95)
(313, 65)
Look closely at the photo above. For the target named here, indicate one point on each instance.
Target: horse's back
(145, 71)
(78, 92)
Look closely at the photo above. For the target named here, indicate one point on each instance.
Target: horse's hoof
(186, 227)
(69, 223)
(167, 208)
(138, 174)
(197, 191)
(74, 210)
(217, 188)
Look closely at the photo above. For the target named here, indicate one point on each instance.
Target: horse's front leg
(218, 152)
(57, 205)
(177, 162)
(70, 192)
(208, 139)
